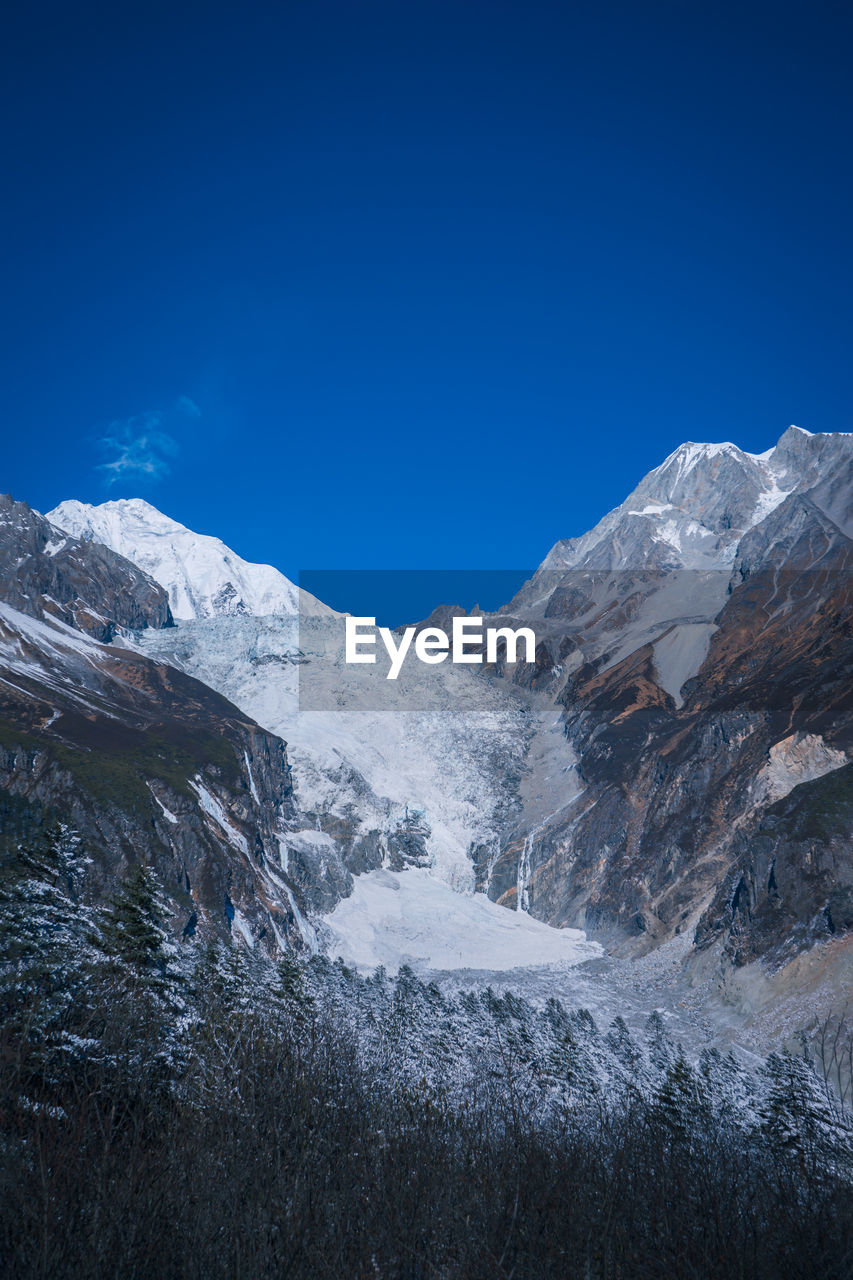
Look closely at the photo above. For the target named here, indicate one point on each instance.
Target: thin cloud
(140, 447)
(188, 406)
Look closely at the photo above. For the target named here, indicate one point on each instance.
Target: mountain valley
(670, 777)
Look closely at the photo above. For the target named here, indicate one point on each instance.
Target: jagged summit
(692, 510)
(48, 572)
(204, 577)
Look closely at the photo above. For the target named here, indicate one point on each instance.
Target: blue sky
(415, 285)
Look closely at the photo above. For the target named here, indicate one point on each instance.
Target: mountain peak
(204, 577)
(692, 510)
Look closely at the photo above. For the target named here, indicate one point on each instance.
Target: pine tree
(796, 1116)
(732, 1088)
(224, 995)
(783, 1112)
(44, 958)
(680, 1099)
(133, 935)
(292, 990)
(620, 1044)
(660, 1048)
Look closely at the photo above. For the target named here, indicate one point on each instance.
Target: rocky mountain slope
(698, 693)
(692, 511)
(141, 759)
(47, 571)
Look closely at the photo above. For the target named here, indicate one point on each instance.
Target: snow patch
(252, 787)
(241, 924)
(652, 509)
(308, 840)
(167, 813)
(309, 934)
(769, 501)
(214, 810)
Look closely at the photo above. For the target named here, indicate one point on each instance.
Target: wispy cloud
(188, 406)
(141, 446)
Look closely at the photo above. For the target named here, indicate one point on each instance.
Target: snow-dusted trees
(797, 1118)
(132, 933)
(299, 1118)
(681, 1100)
(45, 960)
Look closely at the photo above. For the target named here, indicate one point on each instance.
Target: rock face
(49, 572)
(791, 882)
(797, 759)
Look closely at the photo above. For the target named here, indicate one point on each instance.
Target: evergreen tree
(44, 958)
(796, 1116)
(293, 992)
(680, 1099)
(660, 1048)
(622, 1047)
(133, 935)
(225, 993)
(732, 1088)
(783, 1111)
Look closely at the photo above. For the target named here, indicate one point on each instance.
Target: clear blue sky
(415, 284)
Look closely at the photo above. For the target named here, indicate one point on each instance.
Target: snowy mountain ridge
(203, 577)
(689, 512)
(692, 510)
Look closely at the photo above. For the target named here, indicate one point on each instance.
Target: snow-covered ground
(413, 917)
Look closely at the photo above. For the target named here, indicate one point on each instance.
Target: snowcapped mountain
(203, 577)
(697, 637)
(692, 510)
(85, 585)
(693, 651)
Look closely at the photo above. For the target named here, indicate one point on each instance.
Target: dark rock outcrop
(791, 884)
(46, 572)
